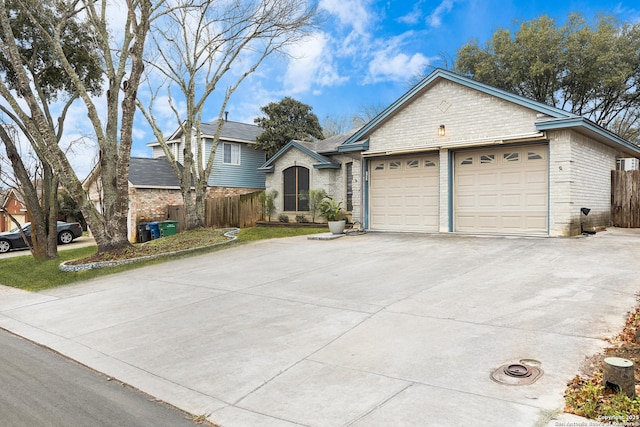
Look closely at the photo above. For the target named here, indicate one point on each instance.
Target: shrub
(301, 219)
(283, 217)
(267, 203)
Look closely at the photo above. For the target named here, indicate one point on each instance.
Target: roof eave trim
(574, 122)
(356, 146)
(465, 81)
(293, 144)
(326, 166)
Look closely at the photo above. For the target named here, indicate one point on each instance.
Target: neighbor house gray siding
(244, 175)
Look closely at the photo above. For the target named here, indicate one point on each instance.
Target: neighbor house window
(231, 154)
(296, 188)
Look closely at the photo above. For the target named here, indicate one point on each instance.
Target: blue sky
(365, 53)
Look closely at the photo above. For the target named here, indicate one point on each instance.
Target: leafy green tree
(38, 185)
(120, 50)
(590, 69)
(286, 120)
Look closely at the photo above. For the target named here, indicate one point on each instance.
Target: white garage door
(404, 193)
(502, 190)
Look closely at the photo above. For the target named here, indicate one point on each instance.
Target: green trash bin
(168, 228)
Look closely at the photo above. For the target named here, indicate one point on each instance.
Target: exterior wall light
(441, 130)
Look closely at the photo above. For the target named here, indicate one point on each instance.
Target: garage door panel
(537, 200)
(511, 201)
(487, 200)
(468, 201)
(511, 178)
(404, 193)
(464, 180)
(487, 179)
(537, 177)
(502, 190)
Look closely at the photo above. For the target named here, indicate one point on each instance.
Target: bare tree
(336, 125)
(122, 65)
(196, 45)
(367, 113)
(39, 193)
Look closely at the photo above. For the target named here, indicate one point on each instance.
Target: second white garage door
(502, 190)
(404, 193)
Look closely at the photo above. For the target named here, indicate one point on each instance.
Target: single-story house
(453, 155)
(153, 185)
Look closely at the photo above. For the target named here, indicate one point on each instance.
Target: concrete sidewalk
(369, 330)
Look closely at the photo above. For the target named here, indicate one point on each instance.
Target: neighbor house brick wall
(467, 114)
(579, 176)
(150, 204)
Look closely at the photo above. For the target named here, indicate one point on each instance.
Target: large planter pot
(337, 227)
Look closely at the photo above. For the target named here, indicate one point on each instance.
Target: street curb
(231, 234)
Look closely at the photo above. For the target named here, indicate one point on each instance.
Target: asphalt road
(80, 242)
(41, 388)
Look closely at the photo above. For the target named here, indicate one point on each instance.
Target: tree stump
(618, 375)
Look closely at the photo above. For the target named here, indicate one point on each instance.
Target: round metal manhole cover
(517, 370)
(518, 373)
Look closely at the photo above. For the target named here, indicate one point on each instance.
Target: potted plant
(334, 214)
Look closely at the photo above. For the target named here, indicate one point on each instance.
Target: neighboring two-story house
(153, 185)
(236, 161)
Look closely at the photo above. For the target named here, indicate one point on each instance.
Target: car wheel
(65, 237)
(4, 246)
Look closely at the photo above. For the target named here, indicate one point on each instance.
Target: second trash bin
(144, 235)
(154, 228)
(168, 228)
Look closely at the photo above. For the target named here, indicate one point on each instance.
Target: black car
(67, 232)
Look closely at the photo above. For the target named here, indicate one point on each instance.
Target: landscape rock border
(231, 234)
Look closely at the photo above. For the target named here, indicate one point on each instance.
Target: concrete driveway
(369, 330)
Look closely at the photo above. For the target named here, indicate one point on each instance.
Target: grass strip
(24, 272)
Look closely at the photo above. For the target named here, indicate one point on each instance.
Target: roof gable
(323, 161)
(418, 90)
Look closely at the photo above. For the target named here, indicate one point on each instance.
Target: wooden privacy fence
(625, 200)
(232, 211)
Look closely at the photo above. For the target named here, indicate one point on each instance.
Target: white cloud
(390, 66)
(435, 19)
(351, 13)
(311, 65)
(414, 16)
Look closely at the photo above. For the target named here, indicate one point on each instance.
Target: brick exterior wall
(579, 176)
(333, 181)
(151, 204)
(466, 113)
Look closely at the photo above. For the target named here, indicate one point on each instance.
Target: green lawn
(26, 273)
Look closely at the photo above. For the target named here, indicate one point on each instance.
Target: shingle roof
(319, 150)
(328, 145)
(233, 131)
(152, 173)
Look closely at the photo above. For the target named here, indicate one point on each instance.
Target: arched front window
(296, 188)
